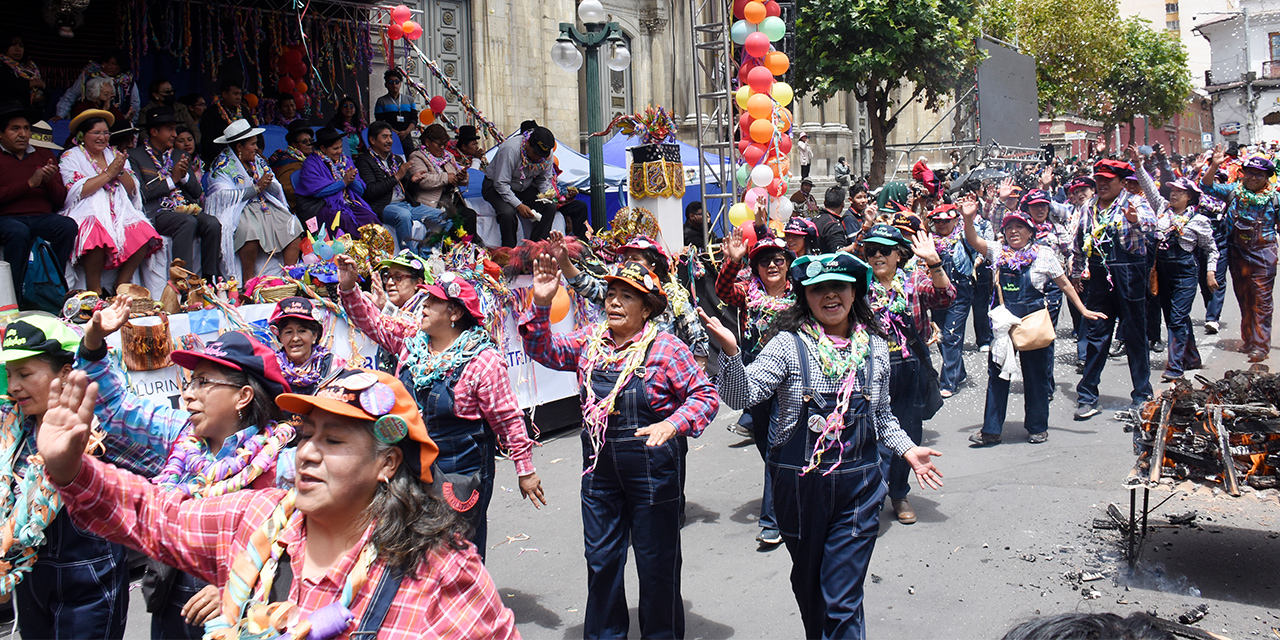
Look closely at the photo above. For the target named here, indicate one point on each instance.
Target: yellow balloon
(739, 213)
(744, 92)
(782, 92)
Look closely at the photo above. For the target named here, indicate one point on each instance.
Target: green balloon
(744, 174)
(773, 27)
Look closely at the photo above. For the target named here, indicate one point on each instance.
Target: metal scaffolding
(713, 106)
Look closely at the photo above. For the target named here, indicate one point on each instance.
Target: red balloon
(394, 32)
(760, 80)
(282, 64)
(285, 85)
(772, 10)
(743, 142)
(744, 121)
(738, 6)
(754, 154)
(400, 13)
(298, 69)
(293, 56)
(438, 104)
(746, 69)
(777, 188)
(757, 44)
(412, 30)
(784, 145)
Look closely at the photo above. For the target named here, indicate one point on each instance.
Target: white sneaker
(1211, 328)
(984, 348)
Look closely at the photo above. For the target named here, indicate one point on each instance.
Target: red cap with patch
(451, 286)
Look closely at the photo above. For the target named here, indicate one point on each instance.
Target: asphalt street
(992, 548)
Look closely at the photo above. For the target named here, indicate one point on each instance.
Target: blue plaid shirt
(1262, 217)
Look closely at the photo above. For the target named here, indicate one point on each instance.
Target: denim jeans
(982, 305)
(757, 420)
(1037, 384)
(904, 392)
(952, 320)
(1124, 296)
(401, 216)
(169, 623)
(1213, 300)
(1177, 293)
(79, 587)
(632, 499)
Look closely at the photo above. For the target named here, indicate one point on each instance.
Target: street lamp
(566, 55)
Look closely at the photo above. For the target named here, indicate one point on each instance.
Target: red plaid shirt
(483, 391)
(450, 595)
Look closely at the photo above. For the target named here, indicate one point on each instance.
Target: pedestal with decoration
(655, 173)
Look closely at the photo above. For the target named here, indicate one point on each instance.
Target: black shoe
(983, 439)
(769, 537)
(1117, 348)
(1157, 346)
(1038, 438)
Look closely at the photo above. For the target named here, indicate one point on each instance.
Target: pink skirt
(139, 235)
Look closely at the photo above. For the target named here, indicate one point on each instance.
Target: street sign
(1206, 140)
(1076, 135)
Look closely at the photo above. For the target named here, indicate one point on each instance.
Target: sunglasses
(196, 384)
(395, 278)
(877, 249)
(776, 261)
(394, 81)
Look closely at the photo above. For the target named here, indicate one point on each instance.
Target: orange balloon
(784, 119)
(781, 167)
(251, 100)
(560, 305)
(760, 106)
(300, 86)
(754, 12)
(426, 117)
(762, 131)
(776, 62)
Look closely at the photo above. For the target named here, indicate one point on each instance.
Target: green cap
(407, 259)
(36, 335)
(840, 267)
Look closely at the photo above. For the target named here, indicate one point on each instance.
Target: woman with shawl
(104, 198)
(330, 190)
(243, 194)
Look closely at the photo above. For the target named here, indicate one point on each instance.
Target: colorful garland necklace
(762, 308)
(1100, 226)
(947, 244)
(838, 362)
(1255, 198)
(307, 374)
(246, 612)
(110, 186)
(529, 168)
(254, 171)
(1176, 223)
(597, 354)
(427, 367)
(233, 116)
(390, 166)
(192, 469)
(294, 153)
(27, 504)
(27, 71)
(1017, 260)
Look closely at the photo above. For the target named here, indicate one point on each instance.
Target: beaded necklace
(427, 367)
(192, 469)
(762, 308)
(246, 612)
(307, 374)
(842, 363)
(599, 353)
(252, 169)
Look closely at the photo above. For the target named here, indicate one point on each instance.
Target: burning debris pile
(1184, 433)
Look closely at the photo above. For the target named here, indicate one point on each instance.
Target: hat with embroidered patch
(640, 278)
(908, 223)
(1034, 196)
(1016, 216)
(1259, 163)
(832, 267)
(451, 286)
(380, 398)
(37, 335)
(239, 351)
(801, 226)
(770, 244)
(885, 234)
(297, 307)
(407, 259)
(944, 212)
(1081, 182)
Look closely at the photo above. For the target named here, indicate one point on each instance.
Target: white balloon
(761, 175)
(785, 208)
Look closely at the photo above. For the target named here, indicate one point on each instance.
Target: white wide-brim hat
(237, 131)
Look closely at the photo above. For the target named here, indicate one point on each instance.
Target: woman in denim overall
(829, 366)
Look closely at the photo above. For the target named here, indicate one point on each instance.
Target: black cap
(159, 115)
(467, 133)
(542, 141)
(242, 352)
(13, 109)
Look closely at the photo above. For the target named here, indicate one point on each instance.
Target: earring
(452, 325)
(240, 415)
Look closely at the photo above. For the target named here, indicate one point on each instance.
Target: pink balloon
(744, 122)
(438, 104)
(394, 31)
(753, 195)
(760, 80)
(400, 13)
(757, 44)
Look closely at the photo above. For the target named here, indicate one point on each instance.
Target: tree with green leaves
(1149, 78)
(870, 47)
(1074, 44)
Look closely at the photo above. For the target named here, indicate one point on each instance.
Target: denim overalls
(632, 497)
(1253, 274)
(829, 519)
(959, 263)
(1178, 271)
(1117, 287)
(756, 418)
(1020, 298)
(467, 447)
